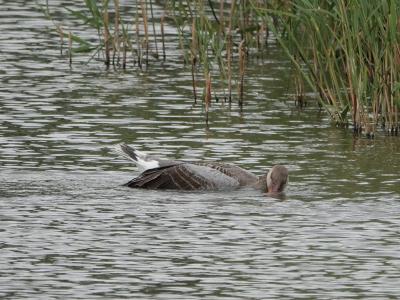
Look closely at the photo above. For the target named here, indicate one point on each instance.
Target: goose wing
(243, 176)
(184, 176)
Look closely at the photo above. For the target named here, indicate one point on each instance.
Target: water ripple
(68, 229)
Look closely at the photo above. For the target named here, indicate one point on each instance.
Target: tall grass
(209, 33)
(349, 53)
(216, 38)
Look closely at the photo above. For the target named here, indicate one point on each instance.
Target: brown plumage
(171, 174)
(170, 177)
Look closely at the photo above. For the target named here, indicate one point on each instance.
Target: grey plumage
(173, 174)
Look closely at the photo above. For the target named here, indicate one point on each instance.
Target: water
(68, 229)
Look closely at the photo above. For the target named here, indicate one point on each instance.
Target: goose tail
(142, 160)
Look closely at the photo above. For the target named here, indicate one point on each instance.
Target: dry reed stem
(162, 36)
(70, 47)
(106, 34)
(194, 78)
(193, 55)
(194, 45)
(143, 5)
(299, 85)
(154, 28)
(242, 65)
(116, 42)
(138, 43)
(229, 65)
(124, 54)
(229, 48)
(207, 99)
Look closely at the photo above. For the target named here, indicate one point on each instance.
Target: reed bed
(349, 53)
(216, 39)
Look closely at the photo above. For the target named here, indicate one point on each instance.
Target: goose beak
(274, 189)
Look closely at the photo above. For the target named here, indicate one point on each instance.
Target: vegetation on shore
(347, 52)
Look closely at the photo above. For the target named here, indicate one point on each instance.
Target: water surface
(68, 229)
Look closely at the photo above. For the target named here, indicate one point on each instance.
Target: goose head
(277, 179)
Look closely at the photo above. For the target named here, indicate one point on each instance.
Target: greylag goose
(180, 175)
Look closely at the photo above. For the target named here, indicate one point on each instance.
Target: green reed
(349, 53)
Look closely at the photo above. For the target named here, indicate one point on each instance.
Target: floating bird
(209, 176)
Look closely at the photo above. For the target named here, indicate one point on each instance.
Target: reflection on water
(68, 229)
